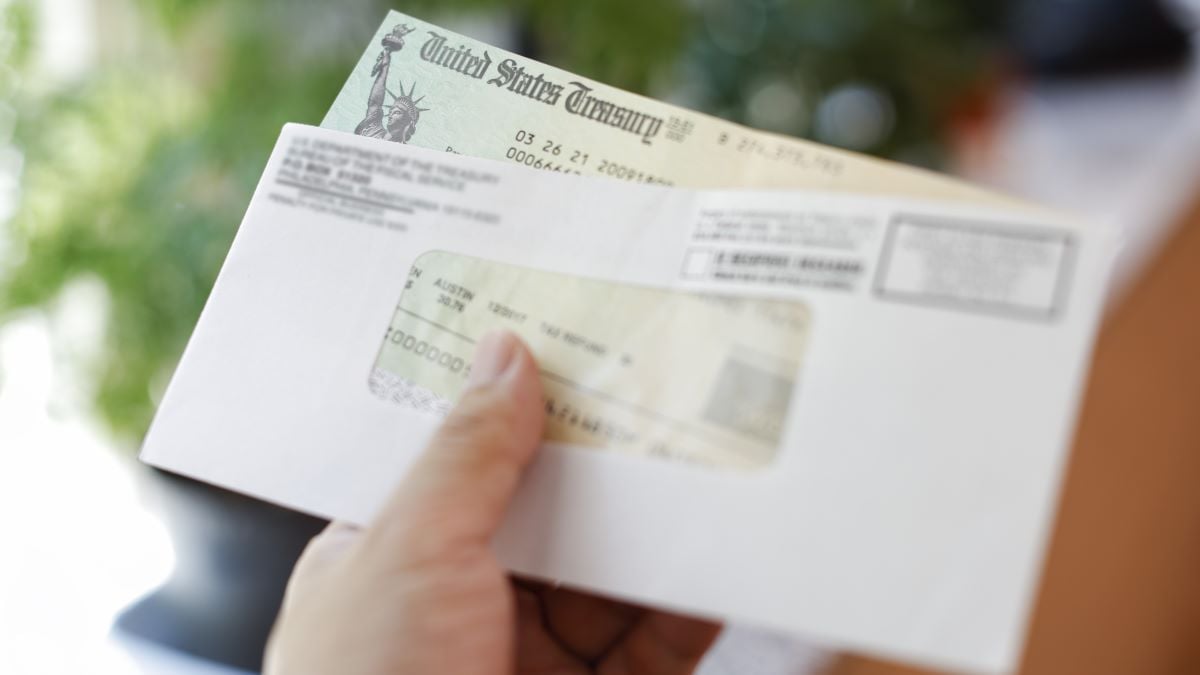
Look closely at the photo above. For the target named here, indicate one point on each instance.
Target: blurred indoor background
(132, 133)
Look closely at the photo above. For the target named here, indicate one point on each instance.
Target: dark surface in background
(1071, 38)
(233, 556)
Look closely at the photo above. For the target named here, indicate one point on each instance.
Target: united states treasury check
(422, 84)
(647, 371)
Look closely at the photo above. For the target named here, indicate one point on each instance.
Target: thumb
(457, 492)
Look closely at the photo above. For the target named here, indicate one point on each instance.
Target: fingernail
(492, 357)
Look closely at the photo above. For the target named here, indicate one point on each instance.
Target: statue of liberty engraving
(398, 121)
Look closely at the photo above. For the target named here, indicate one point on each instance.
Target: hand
(420, 590)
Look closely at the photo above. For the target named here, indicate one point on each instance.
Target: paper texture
(905, 508)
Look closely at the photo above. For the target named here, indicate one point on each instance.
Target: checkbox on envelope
(696, 263)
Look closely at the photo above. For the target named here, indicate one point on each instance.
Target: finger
(321, 554)
(588, 625)
(323, 550)
(538, 651)
(662, 644)
(331, 543)
(457, 492)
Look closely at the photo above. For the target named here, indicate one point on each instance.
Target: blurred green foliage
(138, 172)
(921, 55)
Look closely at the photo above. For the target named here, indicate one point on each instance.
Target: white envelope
(908, 508)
